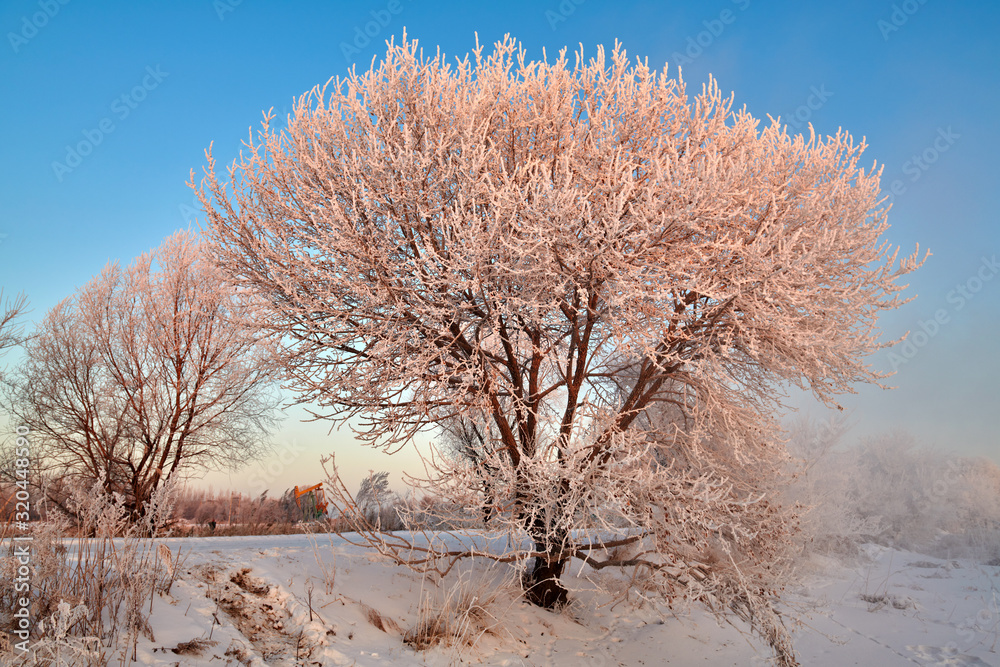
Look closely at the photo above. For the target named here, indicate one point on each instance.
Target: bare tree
(10, 311)
(560, 252)
(143, 375)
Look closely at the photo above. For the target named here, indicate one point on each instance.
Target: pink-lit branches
(612, 278)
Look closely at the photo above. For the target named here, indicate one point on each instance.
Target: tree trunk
(541, 580)
(541, 583)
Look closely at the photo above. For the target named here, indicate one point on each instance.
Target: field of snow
(249, 600)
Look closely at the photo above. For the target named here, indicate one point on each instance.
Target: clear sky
(107, 106)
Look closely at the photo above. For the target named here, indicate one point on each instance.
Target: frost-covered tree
(617, 277)
(374, 500)
(143, 375)
(890, 489)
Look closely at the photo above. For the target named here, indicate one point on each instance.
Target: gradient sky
(143, 87)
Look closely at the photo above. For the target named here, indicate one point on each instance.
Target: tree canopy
(614, 279)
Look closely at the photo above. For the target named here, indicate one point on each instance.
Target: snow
(250, 598)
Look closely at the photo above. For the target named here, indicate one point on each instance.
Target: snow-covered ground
(247, 600)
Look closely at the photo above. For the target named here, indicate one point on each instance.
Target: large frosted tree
(605, 282)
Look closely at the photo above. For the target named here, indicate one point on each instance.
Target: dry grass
(194, 647)
(329, 571)
(377, 620)
(470, 609)
(91, 598)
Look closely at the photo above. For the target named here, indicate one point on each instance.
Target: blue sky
(108, 106)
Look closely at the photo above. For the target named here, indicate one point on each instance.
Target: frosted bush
(98, 593)
(891, 491)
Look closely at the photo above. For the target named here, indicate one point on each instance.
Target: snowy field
(247, 600)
